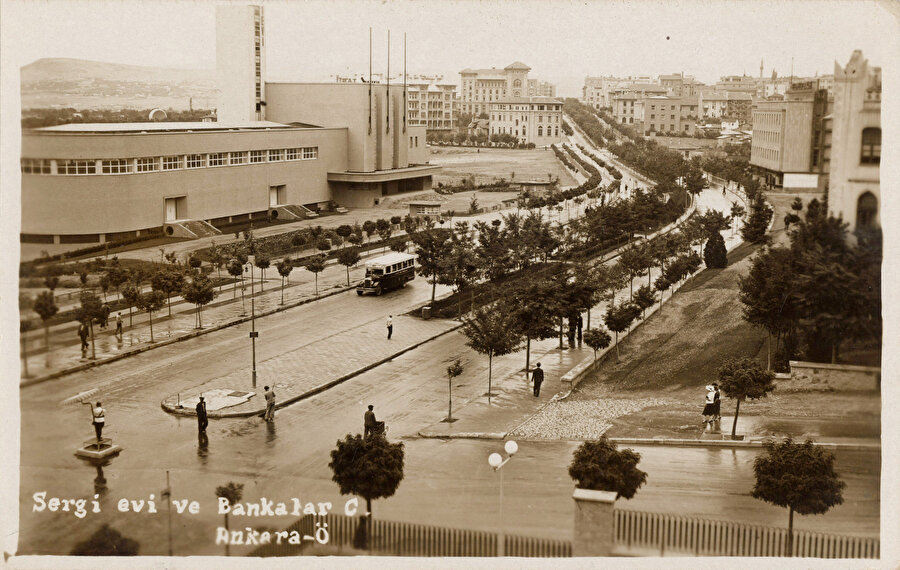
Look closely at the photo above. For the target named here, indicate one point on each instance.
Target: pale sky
(561, 40)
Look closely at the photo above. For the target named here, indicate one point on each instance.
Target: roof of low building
(517, 65)
(162, 127)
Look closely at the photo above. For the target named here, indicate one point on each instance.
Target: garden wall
(818, 376)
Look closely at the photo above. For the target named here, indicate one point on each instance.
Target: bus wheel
(378, 291)
(359, 293)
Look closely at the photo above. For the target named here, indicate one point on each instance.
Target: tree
(715, 253)
(284, 269)
(644, 298)
(348, 257)
(453, 371)
(661, 284)
(168, 280)
(634, 262)
(236, 270)
(597, 339)
(90, 309)
(316, 265)
(754, 230)
(737, 212)
(262, 261)
(600, 466)
(618, 319)
(45, 307)
(369, 227)
(199, 291)
(151, 301)
(106, 541)
(533, 309)
(131, 293)
(491, 332)
(798, 476)
(742, 378)
(232, 493)
(460, 266)
(115, 276)
(370, 467)
(194, 262)
(432, 248)
(768, 293)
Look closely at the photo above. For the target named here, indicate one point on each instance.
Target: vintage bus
(387, 272)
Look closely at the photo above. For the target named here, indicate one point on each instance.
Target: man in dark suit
(537, 376)
(202, 420)
(369, 422)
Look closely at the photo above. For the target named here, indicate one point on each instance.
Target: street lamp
(253, 332)
(496, 461)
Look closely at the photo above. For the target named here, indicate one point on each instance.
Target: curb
(672, 442)
(309, 393)
(188, 336)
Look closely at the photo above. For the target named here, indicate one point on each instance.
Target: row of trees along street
(818, 292)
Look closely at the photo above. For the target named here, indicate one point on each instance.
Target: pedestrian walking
(537, 376)
(717, 404)
(709, 410)
(390, 326)
(83, 335)
(270, 405)
(202, 419)
(119, 330)
(98, 419)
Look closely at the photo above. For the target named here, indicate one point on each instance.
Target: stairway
(190, 229)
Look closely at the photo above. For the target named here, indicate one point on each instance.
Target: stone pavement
(315, 366)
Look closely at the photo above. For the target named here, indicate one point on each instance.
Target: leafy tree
(199, 291)
(194, 262)
(355, 239)
(715, 253)
(284, 269)
(743, 378)
(453, 371)
(432, 248)
(618, 319)
(45, 307)
(600, 466)
(316, 265)
(231, 492)
(754, 230)
(370, 467)
(798, 476)
(661, 284)
(369, 227)
(168, 281)
(644, 298)
(634, 261)
(491, 332)
(348, 257)
(263, 262)
(132, 294)
(737, 212)
(768, 293)
(116, 277)
(597, 339)
(151, 301)
(106, 541)
(51, 282)
(323, 244)
(533, 309)
(460, 266)
(236, 270)
(344, 230)
(395, 220)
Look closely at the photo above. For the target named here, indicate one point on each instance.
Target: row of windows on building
(528, 107)
(157, 163)
(524, 118)
(540, 131)
(766, 153)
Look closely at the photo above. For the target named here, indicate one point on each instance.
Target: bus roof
(390, 258)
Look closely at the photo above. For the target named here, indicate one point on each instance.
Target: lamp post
(253, 332)
(496, 461)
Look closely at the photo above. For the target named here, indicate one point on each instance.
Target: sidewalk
(314, 367)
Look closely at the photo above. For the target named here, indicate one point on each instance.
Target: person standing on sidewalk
(83, 335)
(202, 419)
(119, 332)
(369, 422)
(709, 410)
(717, 404)
(390, 326)
(537, 376)
(270, 405)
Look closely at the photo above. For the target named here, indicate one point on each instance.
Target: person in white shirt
(390, 326)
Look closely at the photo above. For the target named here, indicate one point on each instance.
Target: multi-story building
(625, 96)
(538, 88)
(789, 138)
(666, 115)
(724, 104)
(854, 191)
(680, 85)
(432, 105)
(481, 87)
(323, 144)
(596, 91)
(535, 120)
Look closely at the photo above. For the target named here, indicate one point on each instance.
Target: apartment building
(538, 88)
(666, 115)
(479, 88)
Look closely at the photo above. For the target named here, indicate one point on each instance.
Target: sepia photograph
(448, 283)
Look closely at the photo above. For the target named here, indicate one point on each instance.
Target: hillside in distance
(84, 84)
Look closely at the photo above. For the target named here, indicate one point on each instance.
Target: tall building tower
(240, 63)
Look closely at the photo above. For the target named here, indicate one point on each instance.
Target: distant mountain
(79, 83)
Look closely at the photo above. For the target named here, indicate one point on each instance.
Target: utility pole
(253, 333)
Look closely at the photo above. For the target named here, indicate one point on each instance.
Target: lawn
(488, 165)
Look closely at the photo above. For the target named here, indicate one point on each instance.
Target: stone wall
(821, 377)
